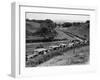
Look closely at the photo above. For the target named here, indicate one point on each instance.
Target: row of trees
(69, 24)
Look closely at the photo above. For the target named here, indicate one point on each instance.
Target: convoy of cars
(56, 48)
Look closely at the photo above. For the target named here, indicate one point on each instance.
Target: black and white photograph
(55, 39)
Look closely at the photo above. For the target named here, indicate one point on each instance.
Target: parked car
(36, 52)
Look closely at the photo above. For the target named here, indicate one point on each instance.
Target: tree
(50, 24)
(67, 24)
(87, 21)
(76, 23)
(48, 29)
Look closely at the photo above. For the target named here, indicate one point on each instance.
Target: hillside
(32, 26)
(32, 29)
(82, 30)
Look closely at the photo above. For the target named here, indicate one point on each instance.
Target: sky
(57, 17)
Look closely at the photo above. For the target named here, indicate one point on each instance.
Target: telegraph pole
(74, 49)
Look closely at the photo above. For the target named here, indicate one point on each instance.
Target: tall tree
(48, 29)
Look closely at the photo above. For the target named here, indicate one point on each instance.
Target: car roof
(53, 46)
(62, 44)
(40, 49)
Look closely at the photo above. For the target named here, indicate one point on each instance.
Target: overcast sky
(57, 17)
